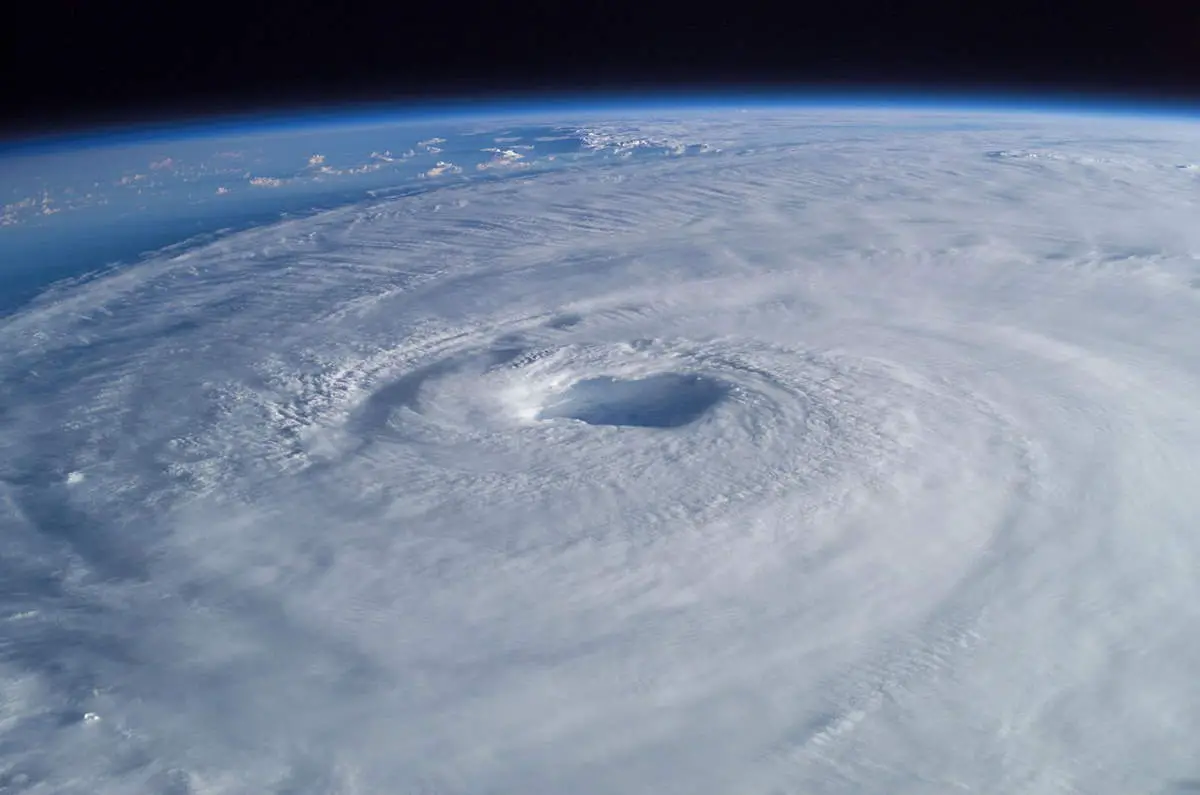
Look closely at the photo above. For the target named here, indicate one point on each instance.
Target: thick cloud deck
(844, 455)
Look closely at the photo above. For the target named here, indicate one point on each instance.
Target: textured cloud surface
(850, 455)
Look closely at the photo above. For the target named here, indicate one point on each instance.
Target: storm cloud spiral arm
(843, 458)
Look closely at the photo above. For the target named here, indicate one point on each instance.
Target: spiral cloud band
(843, 455)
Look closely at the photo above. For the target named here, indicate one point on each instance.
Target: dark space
(79, 65)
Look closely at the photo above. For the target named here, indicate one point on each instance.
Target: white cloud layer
(898, 494)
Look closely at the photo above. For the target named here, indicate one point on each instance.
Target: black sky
(79, 64)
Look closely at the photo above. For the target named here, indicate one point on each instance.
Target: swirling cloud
(854, 456)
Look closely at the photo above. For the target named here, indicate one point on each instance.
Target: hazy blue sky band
(543, 107)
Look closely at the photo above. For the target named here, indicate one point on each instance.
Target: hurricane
(822, 453)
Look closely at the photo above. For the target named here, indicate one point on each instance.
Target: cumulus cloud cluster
(849, 457)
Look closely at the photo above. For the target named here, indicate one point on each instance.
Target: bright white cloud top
(817, 453)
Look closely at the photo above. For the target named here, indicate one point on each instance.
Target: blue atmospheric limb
(542, 105)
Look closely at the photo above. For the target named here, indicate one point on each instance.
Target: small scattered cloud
(222, 190)
(365, 168)
(503, 158)
(430, 145)
(266, 182)
(316, 160)
(166, 162)
(625, 143)
(442, 168)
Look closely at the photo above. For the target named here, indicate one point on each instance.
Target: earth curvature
(662, 449)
